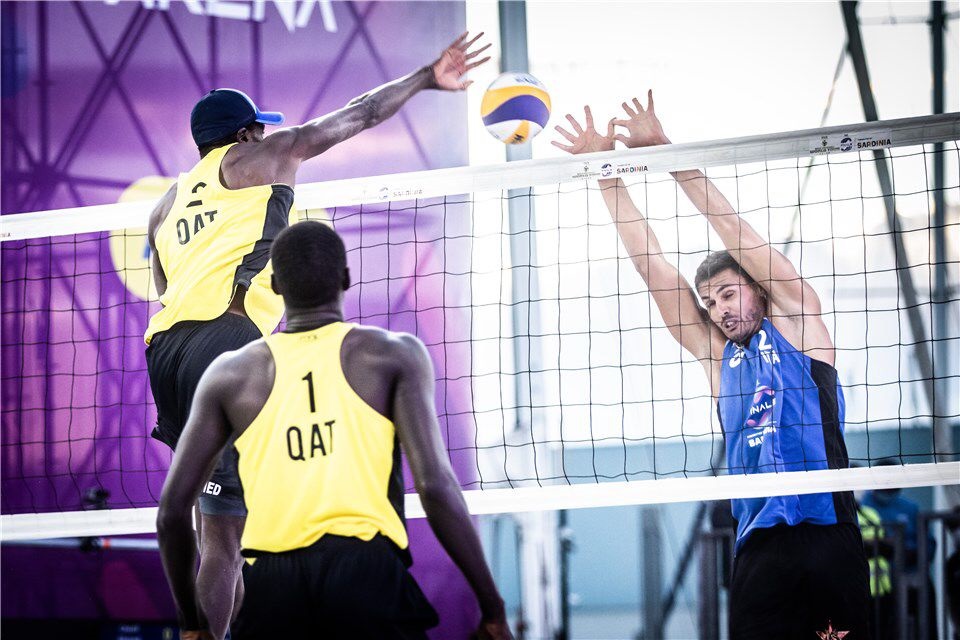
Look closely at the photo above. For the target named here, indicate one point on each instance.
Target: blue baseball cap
(225, 111)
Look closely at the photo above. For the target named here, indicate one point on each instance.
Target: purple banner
(96, 103)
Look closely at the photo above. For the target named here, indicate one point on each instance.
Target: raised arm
(674, 296)
(415, 418)
(204, 436)
(294, 145)
(789, 295)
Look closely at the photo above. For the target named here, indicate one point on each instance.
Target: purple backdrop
(96, 96)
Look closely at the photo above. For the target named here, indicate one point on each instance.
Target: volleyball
(515, 107)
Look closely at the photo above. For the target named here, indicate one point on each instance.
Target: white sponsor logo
(757, 440)
(737, 357)
(295, 14)
(763, 406)
(766, 350)
(212, 489)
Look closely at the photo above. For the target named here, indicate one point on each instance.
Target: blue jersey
(782, 411)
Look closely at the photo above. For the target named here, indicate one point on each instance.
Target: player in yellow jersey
(210, 237)
(318, 414)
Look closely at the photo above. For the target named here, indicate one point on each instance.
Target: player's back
(216, 239)
(318, 459)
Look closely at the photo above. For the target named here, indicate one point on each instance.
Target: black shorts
(792, 582)
(339, 587)
(176, 358)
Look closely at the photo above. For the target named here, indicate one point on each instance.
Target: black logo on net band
(871, 144)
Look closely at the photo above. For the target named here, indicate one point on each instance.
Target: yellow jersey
(216, 239)
(317, 459)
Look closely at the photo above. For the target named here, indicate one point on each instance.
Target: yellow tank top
(317, 459)
(215, 239)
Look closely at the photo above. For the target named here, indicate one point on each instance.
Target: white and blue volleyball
(515, 107)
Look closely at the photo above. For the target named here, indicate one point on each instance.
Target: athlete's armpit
(157, 216)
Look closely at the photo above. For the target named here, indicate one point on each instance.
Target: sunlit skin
(735, 305)
(257, 160)
(253, 133)
(735, 312)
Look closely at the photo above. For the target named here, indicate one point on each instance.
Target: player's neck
(313, 317)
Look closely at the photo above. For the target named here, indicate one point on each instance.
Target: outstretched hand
(454, 62)
(584, 139)
(643, 127)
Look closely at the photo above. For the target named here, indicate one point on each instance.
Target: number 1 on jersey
(313, 402)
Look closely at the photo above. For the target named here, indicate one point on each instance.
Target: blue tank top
(782, 411)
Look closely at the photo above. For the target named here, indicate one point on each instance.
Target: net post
(923, 576)
(652, 578)
(943, 434)
(709, 616)
(899, 578)
(566, 548)
(539, 552)
(523, 251)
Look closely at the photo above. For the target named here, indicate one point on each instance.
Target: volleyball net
(558, 385)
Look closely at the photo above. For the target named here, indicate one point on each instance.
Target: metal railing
(943, 626)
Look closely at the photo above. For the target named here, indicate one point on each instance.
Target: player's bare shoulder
(270, 161)
(241, 381)
(375, 348)
(375, 361)
(237, 366)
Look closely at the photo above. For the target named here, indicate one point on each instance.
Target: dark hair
(225, 140)
(216, 144)
(309, 264)
(716, 262)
